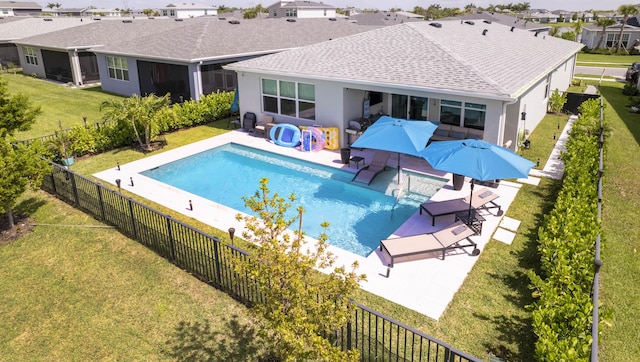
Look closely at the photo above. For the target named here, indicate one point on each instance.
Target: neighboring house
(15, 28)
(187, 10)
(385, 18)
(591, 35)
(19, 8)
(134, 56)
(75, 12)
(110, 13)
(301, 10)
(543, 18)
(480, 76)
(504, 19)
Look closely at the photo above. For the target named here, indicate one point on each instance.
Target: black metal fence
(597, 262)
(377, 337)
(574, 100)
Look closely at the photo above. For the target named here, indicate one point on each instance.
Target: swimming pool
(359, 217)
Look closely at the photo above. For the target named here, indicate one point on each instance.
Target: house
(594, 37)
(19, 8)
(301, 10)
(67, 11)
(543, 18)
(505, 19)
(385, 18)
(187, 10)
(15, 28)
(474, 75)
(102, 12)
(132, 56)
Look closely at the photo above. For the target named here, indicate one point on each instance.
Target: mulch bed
(23, 226)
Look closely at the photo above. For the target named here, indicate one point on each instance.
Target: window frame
(278, 97)
(464, 109)
(117, 68)
(31, 55)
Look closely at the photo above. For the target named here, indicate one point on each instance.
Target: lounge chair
(377, 165)
(482, 199)
(422, 246)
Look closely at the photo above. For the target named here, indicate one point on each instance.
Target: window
(547, 86)
(409, 107)
(118, 68)
(454, 113)
(612, 40)
(450, 112)
(31, 56)
(291, 13)
(289, 98)
(474, 115)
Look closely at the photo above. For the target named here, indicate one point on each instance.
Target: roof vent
(96, 19)
(151, 17)
(127, 21)
(513, 27)
(469, 22)
(47, 19)
(291, 20)
(436, 25)
(536, 34)
(484, 32)
(332, 19)
(486, 21)
(222, 18)
(177, 19)
(234, 22)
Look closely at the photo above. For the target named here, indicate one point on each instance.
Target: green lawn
(613, 60)
(60, 104)
(486, 316)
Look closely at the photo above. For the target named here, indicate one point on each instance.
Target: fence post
(216, 253)
(133, 220)
(102, 212)
(171, 241)
(74, 187)
(349, 336)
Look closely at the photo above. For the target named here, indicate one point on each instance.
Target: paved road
(597, 71)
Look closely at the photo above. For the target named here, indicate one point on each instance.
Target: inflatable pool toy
(313, 139)
(285, 135)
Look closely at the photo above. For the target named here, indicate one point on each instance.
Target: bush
(630, 89)
(562, 314)
(557, 101)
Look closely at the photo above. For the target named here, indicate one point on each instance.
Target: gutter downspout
(504, 122)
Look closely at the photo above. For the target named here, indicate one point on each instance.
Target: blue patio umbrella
(397, 135)
(480, 160)
(235, 107)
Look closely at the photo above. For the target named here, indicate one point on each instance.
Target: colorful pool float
(285, 135)
(313, 139)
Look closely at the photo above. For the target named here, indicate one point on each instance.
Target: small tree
(139, 112)
(16, 112)
(299, 304)
(22, 167)
(557, 101)
(626, 11)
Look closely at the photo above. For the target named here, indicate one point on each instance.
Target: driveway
(597, 71)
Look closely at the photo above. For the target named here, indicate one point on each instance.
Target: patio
(438, 280)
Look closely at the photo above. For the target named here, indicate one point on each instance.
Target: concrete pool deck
(426, 286)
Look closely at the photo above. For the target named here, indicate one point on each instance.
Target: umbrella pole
(471, 198)
(398, 168)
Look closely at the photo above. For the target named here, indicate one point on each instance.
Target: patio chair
(482, 199)
(369, 172)
(422, 246)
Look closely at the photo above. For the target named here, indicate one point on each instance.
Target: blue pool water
(359, 217)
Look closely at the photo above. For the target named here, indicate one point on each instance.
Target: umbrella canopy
(477, 159)
(235, 106)
(397, 135)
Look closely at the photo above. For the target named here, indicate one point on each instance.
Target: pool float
(285, 135)
(313, 139)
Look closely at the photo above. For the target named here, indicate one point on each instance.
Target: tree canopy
(299, 304)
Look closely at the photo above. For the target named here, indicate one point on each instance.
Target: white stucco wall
(30, 69)
(183, 14)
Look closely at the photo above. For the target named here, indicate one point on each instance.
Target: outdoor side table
(356, 160)
(472, 219)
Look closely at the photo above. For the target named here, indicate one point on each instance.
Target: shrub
(557, 101)
(630, 89)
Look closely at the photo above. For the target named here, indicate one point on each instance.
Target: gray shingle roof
(19, 5)
(382, 18)
(208, 38)
(454, 58)
(500, 18)
(13, 28)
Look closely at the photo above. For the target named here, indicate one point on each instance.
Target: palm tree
(625, 10)
(577, 28)
(554, 31)
(604, 23)
(139, 112)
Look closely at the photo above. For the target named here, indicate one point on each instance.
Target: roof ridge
(461, 60)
